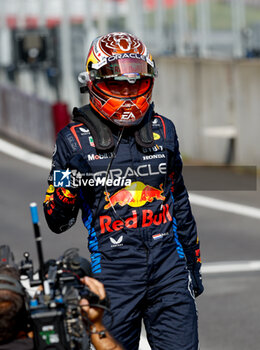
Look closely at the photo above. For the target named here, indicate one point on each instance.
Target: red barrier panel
(61, 116)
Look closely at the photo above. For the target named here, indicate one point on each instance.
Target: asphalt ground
(229, 309)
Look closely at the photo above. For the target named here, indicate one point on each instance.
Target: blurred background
(208, 57)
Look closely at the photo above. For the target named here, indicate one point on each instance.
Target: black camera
(53, 312)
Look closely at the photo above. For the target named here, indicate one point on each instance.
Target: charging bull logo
(135, 195)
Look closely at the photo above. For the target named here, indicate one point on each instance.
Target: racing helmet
(119, 77)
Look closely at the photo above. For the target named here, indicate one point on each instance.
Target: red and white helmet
(119, 75)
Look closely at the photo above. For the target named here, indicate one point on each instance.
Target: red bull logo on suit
(135, 195)
(148, 218)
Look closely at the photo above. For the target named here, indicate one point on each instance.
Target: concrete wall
(199, 93)
(27, 119)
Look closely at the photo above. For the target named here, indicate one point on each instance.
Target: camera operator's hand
(94, 314)
(100, 337)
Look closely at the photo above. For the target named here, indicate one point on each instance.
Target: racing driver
(118, 161)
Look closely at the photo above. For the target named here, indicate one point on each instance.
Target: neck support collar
(101, 129)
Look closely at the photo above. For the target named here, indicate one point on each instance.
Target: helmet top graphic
(121, 42)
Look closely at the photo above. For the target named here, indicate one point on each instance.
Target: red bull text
(148, 218)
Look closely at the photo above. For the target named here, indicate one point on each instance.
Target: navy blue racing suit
(142, 235)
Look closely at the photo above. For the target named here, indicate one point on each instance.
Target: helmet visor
(125, 68)
(125, 89)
